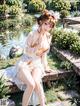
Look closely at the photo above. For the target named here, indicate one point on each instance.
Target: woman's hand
(40, 51)
(48, 69)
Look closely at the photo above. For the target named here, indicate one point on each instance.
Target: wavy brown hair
(46, 15)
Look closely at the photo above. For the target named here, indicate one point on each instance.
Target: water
(8, 39)
(15, 37)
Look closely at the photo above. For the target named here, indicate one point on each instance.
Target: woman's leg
(36, 73)
(25, 76)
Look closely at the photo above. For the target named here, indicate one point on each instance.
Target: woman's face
(47, 26)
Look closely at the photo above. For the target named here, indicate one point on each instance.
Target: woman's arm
(44, 56)
(44, 61)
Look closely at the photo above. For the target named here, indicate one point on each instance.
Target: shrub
(36, 6)
(12, 23)
(4, 90)
(5, 24)
(66, 40)
(26, 2)
(14, 2)
(61, 39)
(14, 10)
(75, 47)
(76, 14)
(4, 9)
(78, 5)
(58, 5)
(71, 82)
(74, 5)
(66, 65)
(28, 20)
(64, 14)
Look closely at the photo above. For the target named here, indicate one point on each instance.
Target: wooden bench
(52, 76)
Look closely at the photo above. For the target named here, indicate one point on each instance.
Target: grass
(50, 93)
(7, 63)
(53, 61)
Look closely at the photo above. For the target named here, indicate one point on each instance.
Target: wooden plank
(75, 26)
(56, 75)
(66, 55)
(53, 75)
(71, 20)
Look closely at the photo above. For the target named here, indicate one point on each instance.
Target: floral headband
(51, 15)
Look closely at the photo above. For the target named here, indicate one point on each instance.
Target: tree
(58, 5)
(36, 6)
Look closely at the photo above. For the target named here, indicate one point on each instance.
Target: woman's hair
(46, 15)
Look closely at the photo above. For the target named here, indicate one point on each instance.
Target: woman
(33, 63)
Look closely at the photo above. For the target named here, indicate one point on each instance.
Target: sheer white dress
(34, 57)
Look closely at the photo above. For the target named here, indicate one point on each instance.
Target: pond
(12, 38)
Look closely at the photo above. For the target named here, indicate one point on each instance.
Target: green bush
(66, 65)
(71, 82)
(74, 5)
(61, 39)
(75, 47)
(14, 2)
(76, 14)
(26, 1)
(66, 40)
(58, 5)
(28, 20)
(4, 90)
(14, 10)
(5, 24)
(78, 5)
(12, 23)
(4, 9)
(36, 6)
(64, 14)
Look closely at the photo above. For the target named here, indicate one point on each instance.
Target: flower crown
(51, 15)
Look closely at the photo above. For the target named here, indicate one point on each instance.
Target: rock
(15, 51)
(57, 103)
(3, 57)
(67, 103)
(6, 102)
(65, 95)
